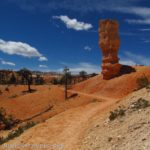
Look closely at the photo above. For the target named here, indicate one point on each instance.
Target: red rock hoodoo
(109, 43)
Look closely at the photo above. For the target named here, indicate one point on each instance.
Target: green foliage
(39, 80)
(56, 81)
(12, 79)
(117, 113)
(143, 82)
(140, 104)
(7, 120)
(68, 75)
(13, 96)
(27, 76)
(16, 132)
(83, 74)
(62, 80)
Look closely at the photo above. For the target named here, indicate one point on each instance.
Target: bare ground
(82, 123)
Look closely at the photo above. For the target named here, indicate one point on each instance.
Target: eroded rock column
(109, 43)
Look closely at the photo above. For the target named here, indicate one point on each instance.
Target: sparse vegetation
(16, 132)
(140, 104)
(6, 121)
(39, 80)
(12, 79)
(7, 89)
(83, 74)
(56, 81)
(143, 82)
(117, 113)
(27, 76)
(13, 96)
(1, 92)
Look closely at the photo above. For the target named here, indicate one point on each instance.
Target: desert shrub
(29, 125)
(116, 113)
(1, 92)
(7, 89)
(56, 81)
(16, 132)
(13, 96)
(1, 140)
(140, 104)
(143, 82)
(95, 100)
(7, 121)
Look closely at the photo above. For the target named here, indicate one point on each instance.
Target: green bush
(143, 82)
(13, 96)
(16, 132)
(117, 113)
(140, 104)
(7, 120)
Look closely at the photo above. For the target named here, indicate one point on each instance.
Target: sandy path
(66, 128)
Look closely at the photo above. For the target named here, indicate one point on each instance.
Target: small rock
(139, 110)
(97, 126)
(143, 139)
(110, 139)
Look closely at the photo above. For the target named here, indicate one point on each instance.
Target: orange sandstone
(109, 43)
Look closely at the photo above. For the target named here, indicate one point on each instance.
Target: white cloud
(21, 49)
(142, 12)
(128, 33)
(42, 58)
(7, 63)
(87, 48)
(146, 40)
(146, 29)
(74, 23)
(138, 21)
(127, 62)
(43, 66)
(83, 66)
(81, 6)
(18, 48)
(138, 59)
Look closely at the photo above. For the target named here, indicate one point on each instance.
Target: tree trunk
(29, 87)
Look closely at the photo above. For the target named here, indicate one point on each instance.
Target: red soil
(68, 127)
(24, 106)
(115, 88)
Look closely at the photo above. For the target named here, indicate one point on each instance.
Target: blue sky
(47, 35)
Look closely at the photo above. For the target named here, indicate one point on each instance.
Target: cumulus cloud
(3, 62)
(73, 23)
(42, 58)
(87, 48)
(20, 48)
(43, 66)
(83, 66)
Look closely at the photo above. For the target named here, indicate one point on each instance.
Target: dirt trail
(92, 95)
(65, 128)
